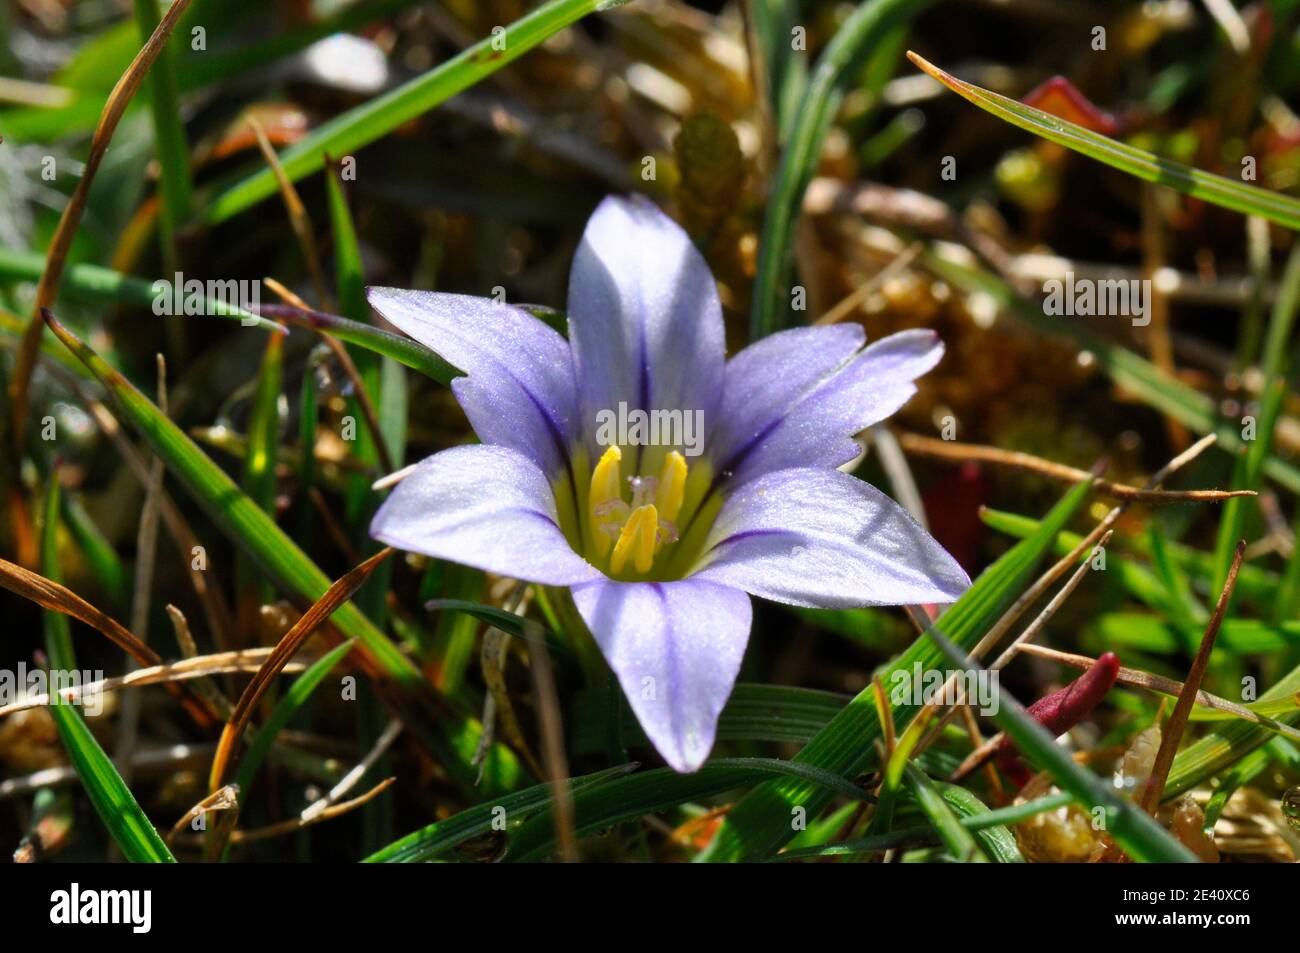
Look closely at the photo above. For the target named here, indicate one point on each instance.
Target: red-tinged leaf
(1062, 98)
(1063, 709)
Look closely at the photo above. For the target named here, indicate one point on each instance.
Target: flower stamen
(636, 539)
(631, 534)
(606, 497)
(671, 489)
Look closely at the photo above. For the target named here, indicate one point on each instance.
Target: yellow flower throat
(631, 533)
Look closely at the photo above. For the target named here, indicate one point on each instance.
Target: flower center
(630, 530)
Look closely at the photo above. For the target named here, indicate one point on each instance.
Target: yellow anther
(672, 486)
(647, 536)
(638, 539)
(606, 487)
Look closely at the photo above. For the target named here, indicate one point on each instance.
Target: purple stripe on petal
(766, 380)
(749, 534)
(483, 506)
(644, 316)
(520, 388)
(820, 408)
(676, 648)
(818, 537)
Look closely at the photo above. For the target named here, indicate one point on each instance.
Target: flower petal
(644, 316)
(676, 649)
(520, 392)
(764, 381)
(484, 506)
(820, 412)
(818, 537)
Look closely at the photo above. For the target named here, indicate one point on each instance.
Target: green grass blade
(101, 557)
(785, 71)
(428, 843)
(285, 709)
(58, 635)
(258, 478)
(796, 769)
(503, 619)
(116, 806)
(402, 349)
(644, 793)
(1243, 772)
(823, 830)
(379, 378)
(996, 840)
(1252, 581)
(252, 529)
(754, 712)
(959, 841)
(506, 621)
(1286, 600)
(114, 803)
(308, 421)
(1215, 189)
(96, 284)
(357, 128)
(1229, 742)
(811, 122)
(760, 824)
(174, 183)
(11, 333)
(449, 648)
(969, 817)
(1151, 634)
(349, 273)
(1273, 391)
(893, 775)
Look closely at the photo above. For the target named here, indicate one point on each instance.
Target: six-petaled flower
(661, 552)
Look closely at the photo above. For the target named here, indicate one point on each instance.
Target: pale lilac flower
(660, 550)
